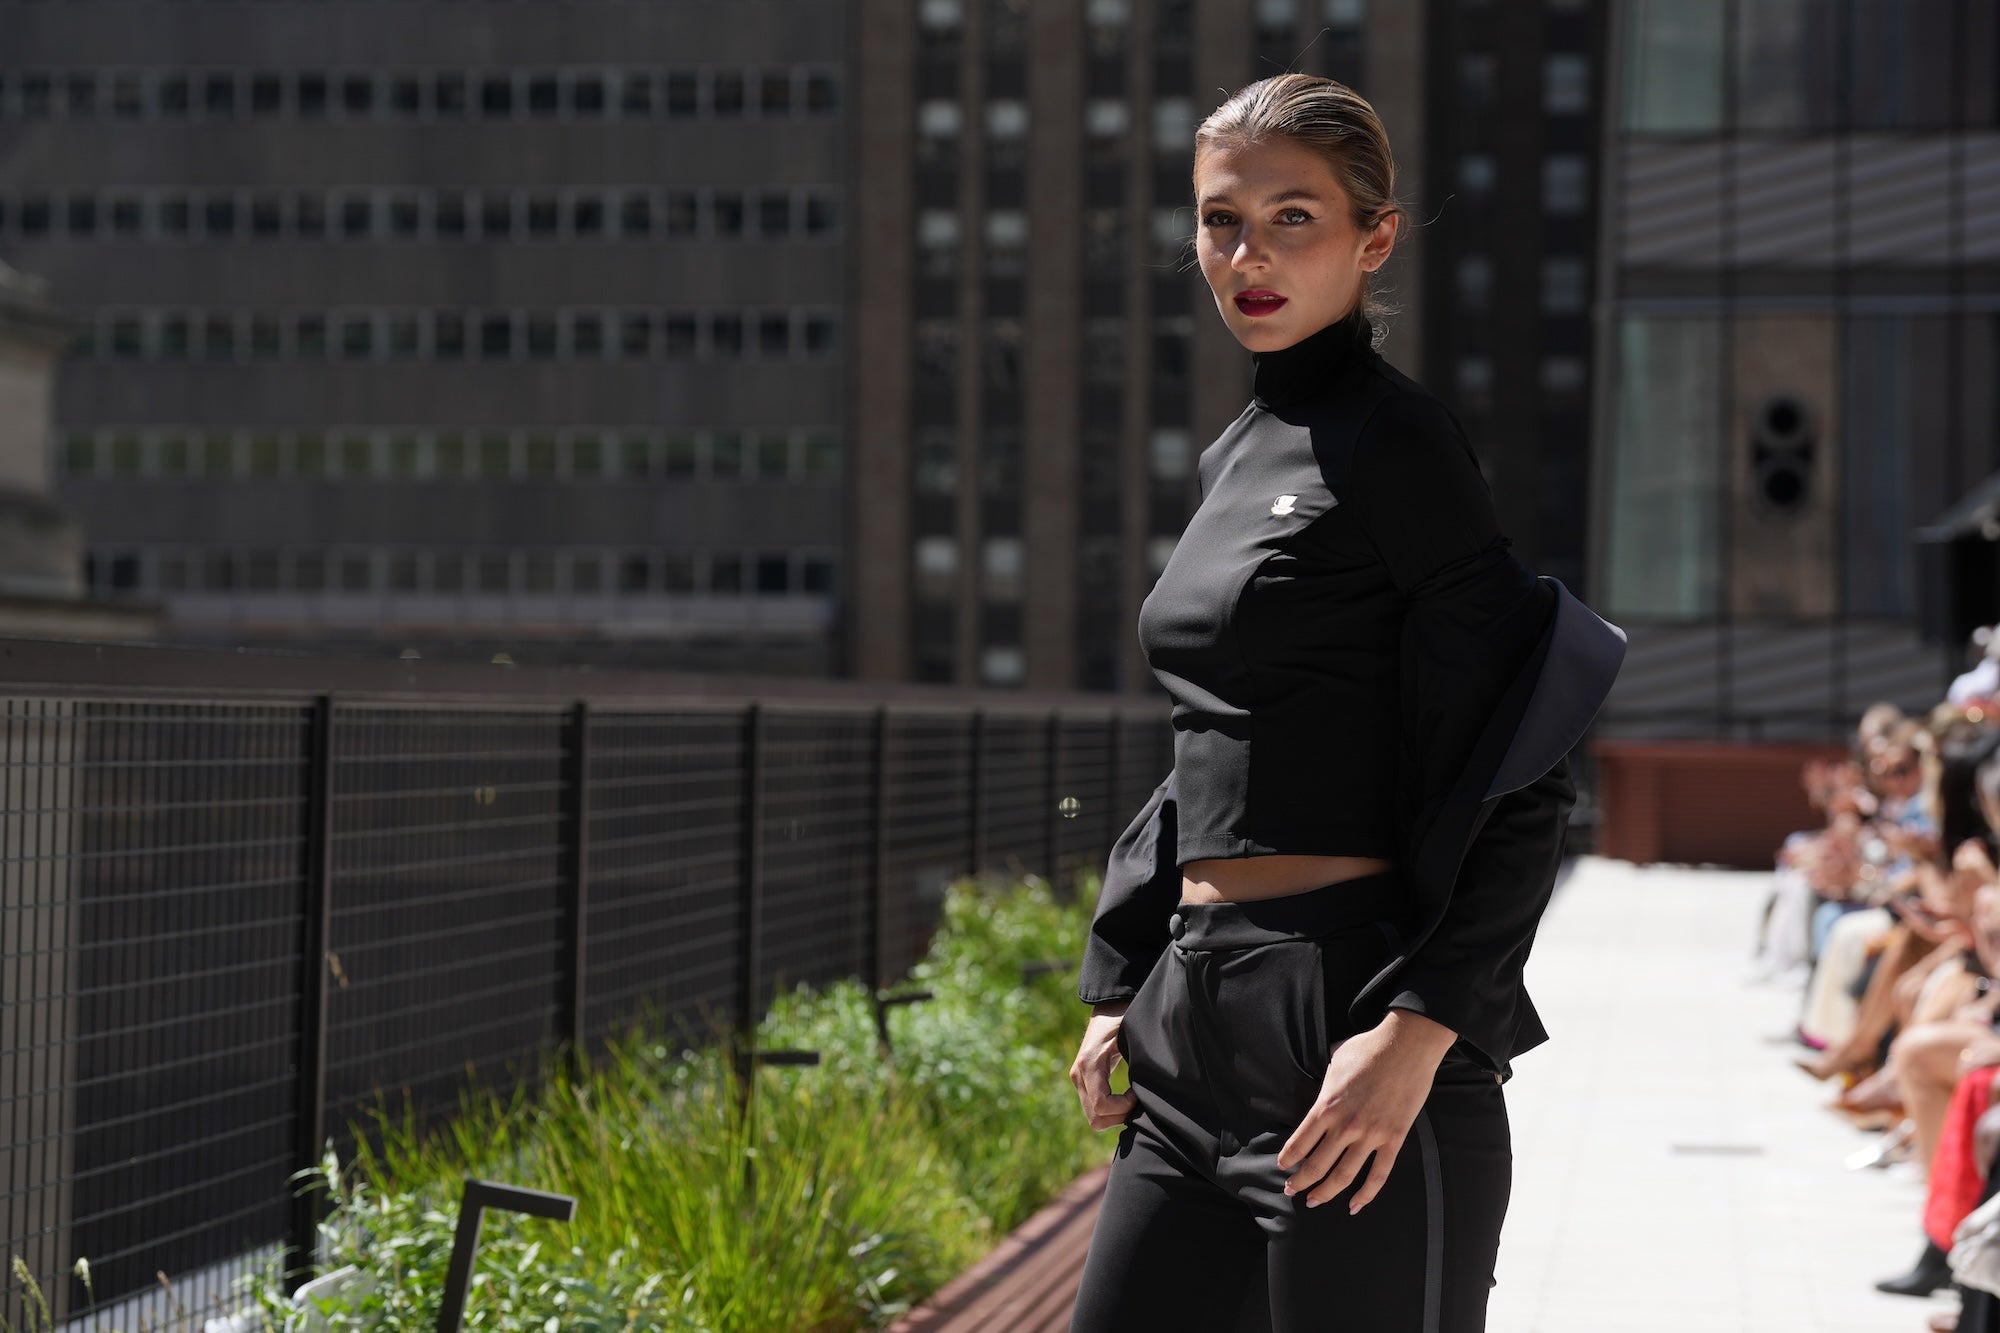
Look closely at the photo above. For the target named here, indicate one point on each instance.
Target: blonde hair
(1332, 119)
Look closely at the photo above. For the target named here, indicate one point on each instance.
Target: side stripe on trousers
(1433, 1221)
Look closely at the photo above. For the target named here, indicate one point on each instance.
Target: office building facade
(1799, 338)
(450, 327)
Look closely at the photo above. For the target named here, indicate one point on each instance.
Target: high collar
(1290, 374)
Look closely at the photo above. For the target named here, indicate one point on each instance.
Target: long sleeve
(1469, 974)
(1474, 615)
(1142, 885)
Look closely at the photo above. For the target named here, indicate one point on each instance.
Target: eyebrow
(1277, 198)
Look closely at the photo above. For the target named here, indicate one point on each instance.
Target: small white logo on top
(1283, 504)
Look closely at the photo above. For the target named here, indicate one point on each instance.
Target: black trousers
(1227, 1043)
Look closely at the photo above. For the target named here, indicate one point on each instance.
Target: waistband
(1342, 905)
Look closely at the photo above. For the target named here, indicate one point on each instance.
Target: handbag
(1975, 1248)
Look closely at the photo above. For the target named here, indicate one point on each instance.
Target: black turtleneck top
(1344, 494)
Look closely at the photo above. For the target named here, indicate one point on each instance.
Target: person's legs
(1420, 1257)
(1171, 1252)
(1830, 1009)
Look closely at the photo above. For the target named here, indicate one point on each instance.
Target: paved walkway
(1672, 1170)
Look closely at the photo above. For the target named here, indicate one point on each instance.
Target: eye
(1304, 217)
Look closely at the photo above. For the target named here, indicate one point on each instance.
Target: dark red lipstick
(1254, 301)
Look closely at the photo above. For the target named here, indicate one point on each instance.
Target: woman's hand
(1091, 1070)
(1376, 1083)
(1978, 1053)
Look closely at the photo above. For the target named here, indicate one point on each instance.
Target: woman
(1373, 704)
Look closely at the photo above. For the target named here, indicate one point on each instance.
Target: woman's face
(1303, 247)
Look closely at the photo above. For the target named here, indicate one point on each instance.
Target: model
(1309, 943)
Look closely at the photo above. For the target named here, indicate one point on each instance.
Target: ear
(1375, 251)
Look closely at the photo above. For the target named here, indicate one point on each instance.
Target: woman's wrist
(1407, 1025)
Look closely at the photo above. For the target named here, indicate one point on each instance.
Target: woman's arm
(1474, 617)
(1142, 886)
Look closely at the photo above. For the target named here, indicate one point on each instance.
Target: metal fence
(240, 894)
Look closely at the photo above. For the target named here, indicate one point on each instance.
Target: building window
(1665, 499)
(1476, 173)
(1478, 76)
(1169, 454)
(1562, 375)
(1565, 285)
(1564, 188)
(1001, 567)
(1001, 664)
(1672, 66)
(1475, 282)
(1565, 83)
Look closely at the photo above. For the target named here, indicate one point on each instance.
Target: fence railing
(240, 894)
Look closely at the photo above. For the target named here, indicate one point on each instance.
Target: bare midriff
(1239, 879)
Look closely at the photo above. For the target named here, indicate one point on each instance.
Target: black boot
(1933, 1270)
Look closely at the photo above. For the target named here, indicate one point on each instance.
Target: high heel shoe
(1932, 1271)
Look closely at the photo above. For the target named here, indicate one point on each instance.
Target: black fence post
(1052, 797)
(576, 880)
(315, 935)
(878, 859)
(751, 919)
(974, 824)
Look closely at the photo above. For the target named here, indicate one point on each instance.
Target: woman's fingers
(1378, 1175)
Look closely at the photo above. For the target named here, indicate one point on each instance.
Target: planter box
(1725, 803)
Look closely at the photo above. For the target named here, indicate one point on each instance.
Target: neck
(1307, 367)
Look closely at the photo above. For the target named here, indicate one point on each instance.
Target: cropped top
(1343, 491)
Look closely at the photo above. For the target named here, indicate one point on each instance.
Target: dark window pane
(774, 334)
(218, 95)
(406, 95)
(310, 216)
(82, 219)
(774, 212)
(175, 96)
(448, 94)
(544, 95)
(357, 216)
(726, 90)
(449, 216)
(541, 335)
(680, 336)
(682, 211)
(309, 336)
(821, 94)
(496, 96)
(587, 95)
(312, 94)
(357, 94)
(681, 99)
(357, 337)
(728, 213)
(635, 218)
(219, 216)
(267, 95)
(496, 215)
(496, 336)
(635, 335)
(448, 336)
(725, 334)
(775, 95)
(586, 335)
(544, 215)
(267, 215)
(586, 216)
(773, 573)
(635, 95)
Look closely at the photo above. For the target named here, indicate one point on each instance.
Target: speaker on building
(1782, 439)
